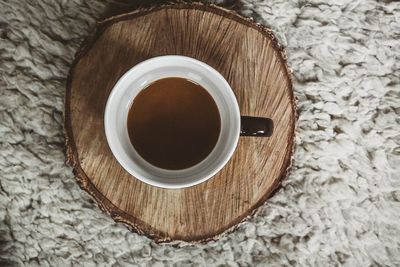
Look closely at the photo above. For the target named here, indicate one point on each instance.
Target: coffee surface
(173, 123)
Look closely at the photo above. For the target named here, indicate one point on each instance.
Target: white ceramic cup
(138, 78)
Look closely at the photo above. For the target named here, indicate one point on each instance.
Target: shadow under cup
(138, 78)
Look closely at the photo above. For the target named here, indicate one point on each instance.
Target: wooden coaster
(246, 54)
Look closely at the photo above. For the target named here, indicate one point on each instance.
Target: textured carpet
(339, 206)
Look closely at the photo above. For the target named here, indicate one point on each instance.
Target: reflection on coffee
(174, 123)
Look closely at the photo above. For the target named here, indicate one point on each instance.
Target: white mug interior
(138, 78)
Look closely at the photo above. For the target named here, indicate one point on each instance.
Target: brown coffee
(174, 123)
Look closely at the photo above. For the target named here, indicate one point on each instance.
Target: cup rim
(121, 160)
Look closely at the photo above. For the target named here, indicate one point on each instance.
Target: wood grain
(253, 63)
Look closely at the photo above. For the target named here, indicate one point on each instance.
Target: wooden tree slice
(246, 54)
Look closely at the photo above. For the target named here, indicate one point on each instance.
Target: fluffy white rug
(339, 206)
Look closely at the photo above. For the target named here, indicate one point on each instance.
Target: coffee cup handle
(256, 126)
